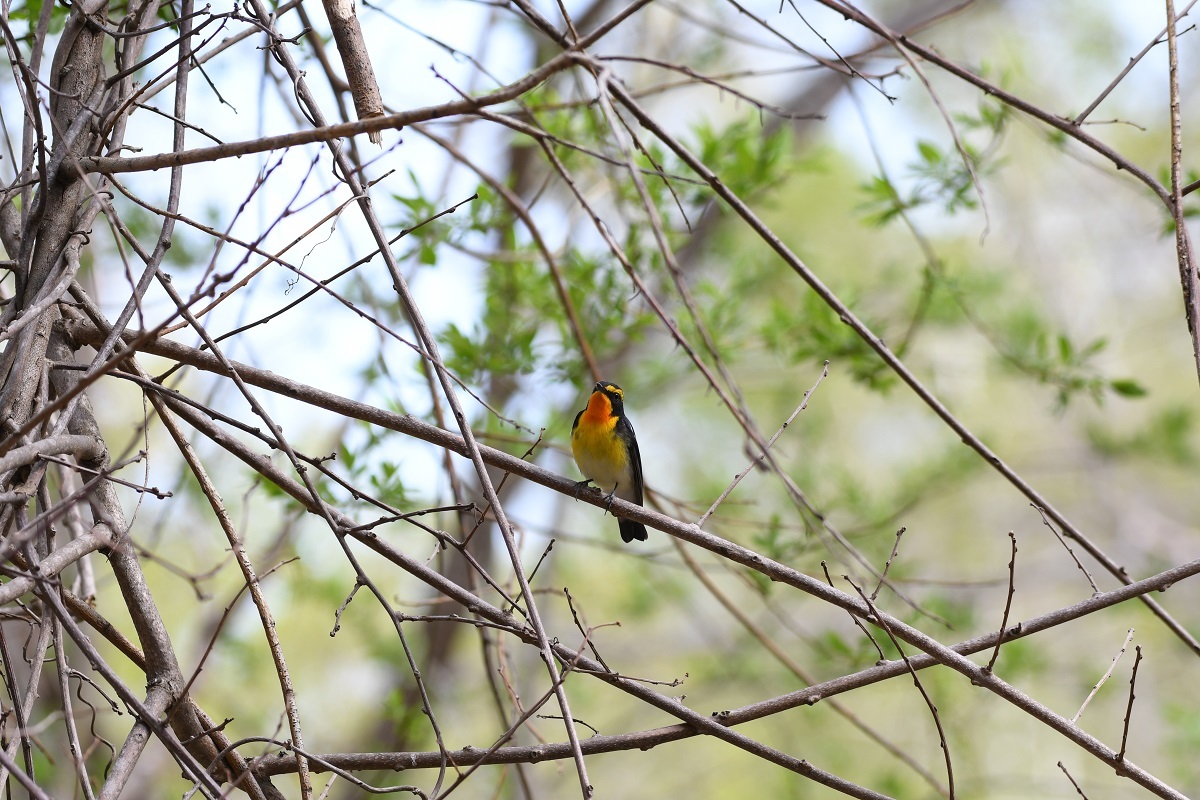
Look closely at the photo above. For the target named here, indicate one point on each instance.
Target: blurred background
(1036, 295)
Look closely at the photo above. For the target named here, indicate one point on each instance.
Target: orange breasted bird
(606, 450)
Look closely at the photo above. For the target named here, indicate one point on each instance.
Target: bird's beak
(599, 387)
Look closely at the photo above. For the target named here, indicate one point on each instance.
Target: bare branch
(1104, 677)
(1129, 708)
(1012, 573)
(326, 133)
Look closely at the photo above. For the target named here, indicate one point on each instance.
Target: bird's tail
(631, 530)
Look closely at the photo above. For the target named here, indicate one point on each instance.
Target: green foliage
(644, 592)
(376, 372)
(954, 305)
(991, 116)
(813, 332)
(567, 121)
(1056, 138)
(938, 176)
(1164, 176)
(369, 462)
(1127, 387)
(486, 214)
(748, 159)
(1025, 339)
(386, 485)
(524, 326)
(366, 461)
(662, 192)
(472, 355)
(275, 492)
(951, 292)
(1055, 360)
(893, 784)
(724, 318)
(28, 11)
(424, 233)
(601, 293)
(883, 201)
(941, 175)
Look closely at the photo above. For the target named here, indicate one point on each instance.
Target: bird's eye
(615, 390)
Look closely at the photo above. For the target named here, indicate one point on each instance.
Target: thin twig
(64, 689)
(337, 615)
(1104, 677)
(858, 623)
(879, 620)
(1072, 780)
(1155, 42)
(887, 566)
(585, 631)
(324, 133)
(1012, 572)
(541, 559)
(1129, 708)
(1070, 552)
(761, 456)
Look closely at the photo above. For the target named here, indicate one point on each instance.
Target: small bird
(606, 451)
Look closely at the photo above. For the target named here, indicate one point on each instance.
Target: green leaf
(1065, 350)
(929, 152)
(1127, 387)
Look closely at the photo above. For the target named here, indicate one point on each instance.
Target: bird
(606, 451)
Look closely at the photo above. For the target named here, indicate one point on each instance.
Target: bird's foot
(608, 500)
(581, 485)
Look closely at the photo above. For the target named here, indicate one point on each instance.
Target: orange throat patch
(598, 412)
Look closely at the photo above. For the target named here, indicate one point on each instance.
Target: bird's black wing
(631, 530)
(625, 430)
